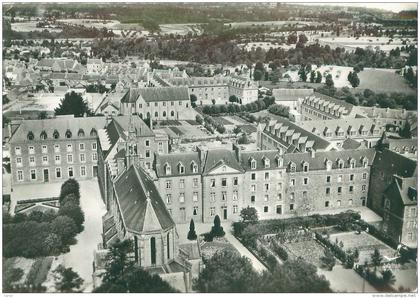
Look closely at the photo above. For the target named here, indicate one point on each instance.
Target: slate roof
(153, 94)
(60, 124)
(218, 157)
(258, 156)
(395, 163)
(142, 129)
(319, 161)
(173, 161)
(132, 189)
(349, 143)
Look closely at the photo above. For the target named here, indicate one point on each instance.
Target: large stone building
(243, 88)
(322, 107)
(400, 211)
(291, 97)
(158, 103)
(53, 150)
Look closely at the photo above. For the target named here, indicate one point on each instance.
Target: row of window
(181, 183)
(305, 180)
(58, 174)
(57, 159)
(181, 197)
(56, 135)
(163, 104)
(44, 148)
(181, 168)
(340, 189)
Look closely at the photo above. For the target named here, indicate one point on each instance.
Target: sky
(394, 7)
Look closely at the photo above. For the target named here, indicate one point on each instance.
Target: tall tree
(249, 214)
(73, 104)
(191, 233)
(66, 280)
(376, 258)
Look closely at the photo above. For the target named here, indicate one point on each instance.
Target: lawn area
(365, 243)
(223, 120)
(248, 128)
(236, 120)
(192, 122)
(383, 80)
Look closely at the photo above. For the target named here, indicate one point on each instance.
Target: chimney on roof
(148, 196)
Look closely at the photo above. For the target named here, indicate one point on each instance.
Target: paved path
(80, 257)
(245, 252)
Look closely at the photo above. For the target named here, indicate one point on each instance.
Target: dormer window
(181, 168)
(167, 168)
(340, 164)
(93, 133)
(253, 164)
(68, 134)
(194, 167)
(305, 167)
(364, 162)
(81, 133)
(266, 163)
(352, 163)
(30, 136)
(328, 165)
(56, 135)
(292, 167)
(43, 135)
(279, 161)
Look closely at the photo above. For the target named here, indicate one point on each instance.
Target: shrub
(280, 251)
(191, 233)
(217, 229)
(71, 186)
(328, 260)
(208, 237)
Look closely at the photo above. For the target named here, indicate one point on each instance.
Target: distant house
(290, 97)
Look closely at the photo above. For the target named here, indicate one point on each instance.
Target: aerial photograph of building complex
(255, 147)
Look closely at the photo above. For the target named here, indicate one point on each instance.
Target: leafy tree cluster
(73, 104)
(123, 275)
(252, 107)
(66, 280)
(280, 110)
(227, 272)
(96, 88)
(410, 76)
(211, 124)
(368, 98)
(45, 234)
(353, 78)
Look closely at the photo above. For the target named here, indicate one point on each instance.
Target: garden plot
(309, 250)
(208, 249)
(223, 120)
(365, 243)
(235, 120)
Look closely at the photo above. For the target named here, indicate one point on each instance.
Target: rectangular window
(83, 171)
(351, 177)
(20, 175)
(265, 209)
(212, 211)
(212, 197)
(235, 180)
(195, 182)
(69, 148)
(168, 198)
(70, 172)
(33, 174)
(224, 196)
(339, 190)
(45, 159)
(252, 176)
(57, 172)
(213, 182)
(292, 196)
(18, 150)
(182, 197)
(81, 147)
(279, 196)
(32, 160)
(265, 198)
(224, 182)
(56, 148)
(93, 146)
(235, 209)
(351, 188)
(266, 176)
(58, 159)
(147, 153)
(44, 149)
(363, 187)
(235, 195)
(82, 157)
(94, 156)
(181, 183)
(292, 182)
(364, 176)
(279, 209)
(328, 179)
(31, 149)
(147, 143)
(305, 181)
(267, 187)
(252, 199)
(195, 210)
(19, 161)
(291, 207)
(69, 158)
(195, 196)
(253, 187)
(327, 191)
(168, 184)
